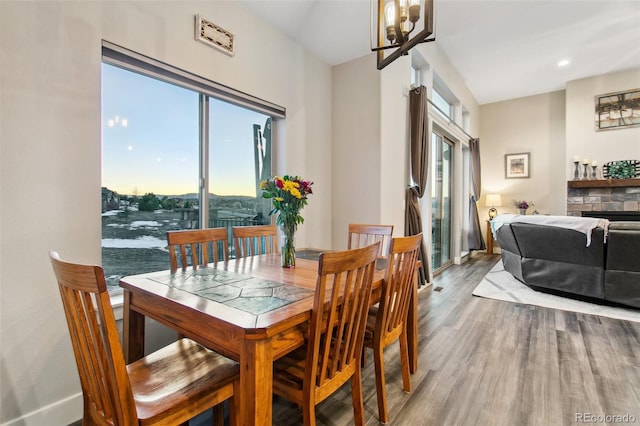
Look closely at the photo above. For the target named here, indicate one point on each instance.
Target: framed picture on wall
(618, 110)
(516, 165)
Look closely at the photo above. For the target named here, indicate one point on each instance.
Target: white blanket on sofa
(580, 224)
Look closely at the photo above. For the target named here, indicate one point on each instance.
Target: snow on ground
(144, 224)
(116, 212)
(140, 242)
(137, 224)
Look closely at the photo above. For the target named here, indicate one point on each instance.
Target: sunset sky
(150, 139)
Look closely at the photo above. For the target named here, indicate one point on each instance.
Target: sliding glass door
(441, 185)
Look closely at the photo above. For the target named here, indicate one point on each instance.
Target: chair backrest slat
(193, 246)
(361, 235)
(255, 240)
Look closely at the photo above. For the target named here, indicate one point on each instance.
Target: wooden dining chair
(197, 247)
(254, 240)
(387, 322)
(168, 386)
(361, 235)
(331, 355)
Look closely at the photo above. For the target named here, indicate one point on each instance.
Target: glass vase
(288, 248)
(523, 211)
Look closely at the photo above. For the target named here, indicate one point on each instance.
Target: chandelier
(399, 26)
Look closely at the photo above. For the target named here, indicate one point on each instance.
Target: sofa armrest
(506, 239)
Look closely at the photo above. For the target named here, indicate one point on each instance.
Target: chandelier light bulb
(390, 18)
(414, 10)
(390, 13)
(406, 27)
(403, 10)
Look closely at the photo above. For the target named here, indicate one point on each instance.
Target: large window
(443, 105)
(174, 157)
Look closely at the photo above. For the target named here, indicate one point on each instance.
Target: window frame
(128, 59)
(206, 89)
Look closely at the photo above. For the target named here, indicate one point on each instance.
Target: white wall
(394, 142)
(50, 157)
(533, 124)
(582, 138)
(355, 146)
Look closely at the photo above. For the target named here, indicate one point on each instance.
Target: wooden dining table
(250, 309)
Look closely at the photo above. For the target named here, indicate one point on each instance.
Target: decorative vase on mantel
(287, 239)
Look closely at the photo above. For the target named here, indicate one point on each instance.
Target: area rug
(501, 285)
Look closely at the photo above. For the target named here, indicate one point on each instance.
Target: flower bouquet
(522, 205)
(289, 195)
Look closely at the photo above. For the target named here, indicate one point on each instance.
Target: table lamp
(493, 200)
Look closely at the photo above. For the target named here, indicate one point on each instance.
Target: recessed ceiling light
(563, 62)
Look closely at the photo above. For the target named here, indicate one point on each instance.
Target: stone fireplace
(613, 199)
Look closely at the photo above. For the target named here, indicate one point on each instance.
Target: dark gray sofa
(557, 259)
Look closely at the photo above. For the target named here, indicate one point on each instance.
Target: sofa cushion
(622, 278)
(623, 251)
(625, 225)
(559, 244)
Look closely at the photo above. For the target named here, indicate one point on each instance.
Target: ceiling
(503, 49)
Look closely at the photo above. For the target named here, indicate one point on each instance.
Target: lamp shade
(493, 200)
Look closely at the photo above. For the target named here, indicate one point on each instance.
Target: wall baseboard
(63, 412)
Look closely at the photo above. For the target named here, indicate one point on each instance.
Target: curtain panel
(419, 138)
(476, 242)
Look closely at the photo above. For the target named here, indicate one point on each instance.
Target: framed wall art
(516, 165)
(620, 110)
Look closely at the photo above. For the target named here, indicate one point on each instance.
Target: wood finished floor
(487, 362)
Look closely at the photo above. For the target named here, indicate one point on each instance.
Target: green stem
(288, 245)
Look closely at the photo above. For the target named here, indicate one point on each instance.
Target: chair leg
(356, 397)
(218, 414)
(234, 408)
(309, 413)
(404, 361)
(381, 390)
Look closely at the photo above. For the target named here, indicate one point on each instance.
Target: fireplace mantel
(604, 183)
(603, 195)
